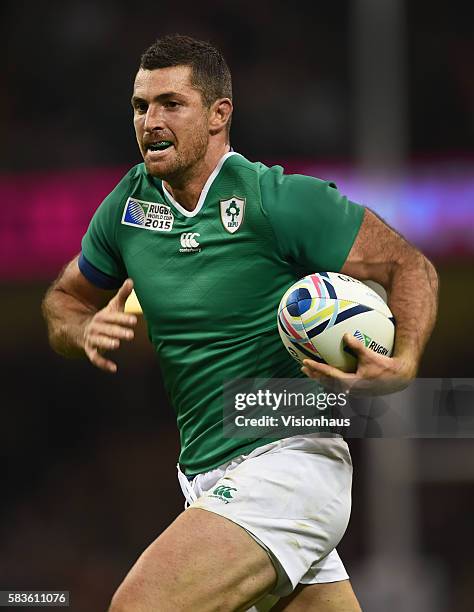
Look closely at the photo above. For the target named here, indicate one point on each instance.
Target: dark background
(88, 472)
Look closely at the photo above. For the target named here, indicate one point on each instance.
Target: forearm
(382, 255)
(85, 319)
(66, 318)
(413, 300)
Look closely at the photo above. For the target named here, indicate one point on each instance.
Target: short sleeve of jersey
(100, 247)
(314, 225)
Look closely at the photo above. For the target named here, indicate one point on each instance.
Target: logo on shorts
(223, 493)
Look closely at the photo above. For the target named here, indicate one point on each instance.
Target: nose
(153, 119)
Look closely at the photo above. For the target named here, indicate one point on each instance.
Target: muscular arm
(83, 319)
(381, 254)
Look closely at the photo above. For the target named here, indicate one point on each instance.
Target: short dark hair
(210, 73)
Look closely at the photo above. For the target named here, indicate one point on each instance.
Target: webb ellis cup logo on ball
(232, 213)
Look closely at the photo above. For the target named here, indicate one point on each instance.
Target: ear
(219, 115)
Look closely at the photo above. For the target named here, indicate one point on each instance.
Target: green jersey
(210, 281)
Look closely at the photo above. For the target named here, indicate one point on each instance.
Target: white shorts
(292, 496)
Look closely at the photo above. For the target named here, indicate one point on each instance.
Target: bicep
(377, 251)
(72, 282)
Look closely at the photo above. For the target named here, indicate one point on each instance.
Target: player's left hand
(375, 375)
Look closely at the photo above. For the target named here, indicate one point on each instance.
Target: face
(171, 122)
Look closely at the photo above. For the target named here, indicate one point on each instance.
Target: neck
(187, 189)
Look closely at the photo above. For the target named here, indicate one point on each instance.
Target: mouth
(156, 147)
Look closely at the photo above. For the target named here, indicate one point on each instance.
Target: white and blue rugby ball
(316, 312)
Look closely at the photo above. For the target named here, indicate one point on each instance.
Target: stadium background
(376, 95)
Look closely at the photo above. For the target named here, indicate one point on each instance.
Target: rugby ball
(316, 312)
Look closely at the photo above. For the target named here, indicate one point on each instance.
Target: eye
(140, 107)
(171, 104)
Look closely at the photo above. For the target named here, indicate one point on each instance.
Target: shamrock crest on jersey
(232, 213)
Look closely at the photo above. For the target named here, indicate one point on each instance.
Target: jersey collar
(204, 192)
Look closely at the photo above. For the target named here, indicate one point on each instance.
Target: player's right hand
(108, 327)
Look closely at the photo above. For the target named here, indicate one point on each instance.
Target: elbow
(415, 262)
(427, 276)
(47, 316)
(431, 274)
(51, 312)
(52, 328)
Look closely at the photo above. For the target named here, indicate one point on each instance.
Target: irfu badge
(232, 213)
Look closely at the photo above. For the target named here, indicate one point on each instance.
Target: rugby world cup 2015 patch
(147, 215)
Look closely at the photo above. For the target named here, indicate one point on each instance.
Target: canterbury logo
(223, 491)
(188, 240)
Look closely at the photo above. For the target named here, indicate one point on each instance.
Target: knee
(116, 605)
(124, 601)
(133, 596)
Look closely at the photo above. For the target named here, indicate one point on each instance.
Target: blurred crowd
(69, 67)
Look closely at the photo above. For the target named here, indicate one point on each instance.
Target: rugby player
(210, 241)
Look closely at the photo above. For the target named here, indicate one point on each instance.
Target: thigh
(202, 562)
(295, 502)
(323, 597)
